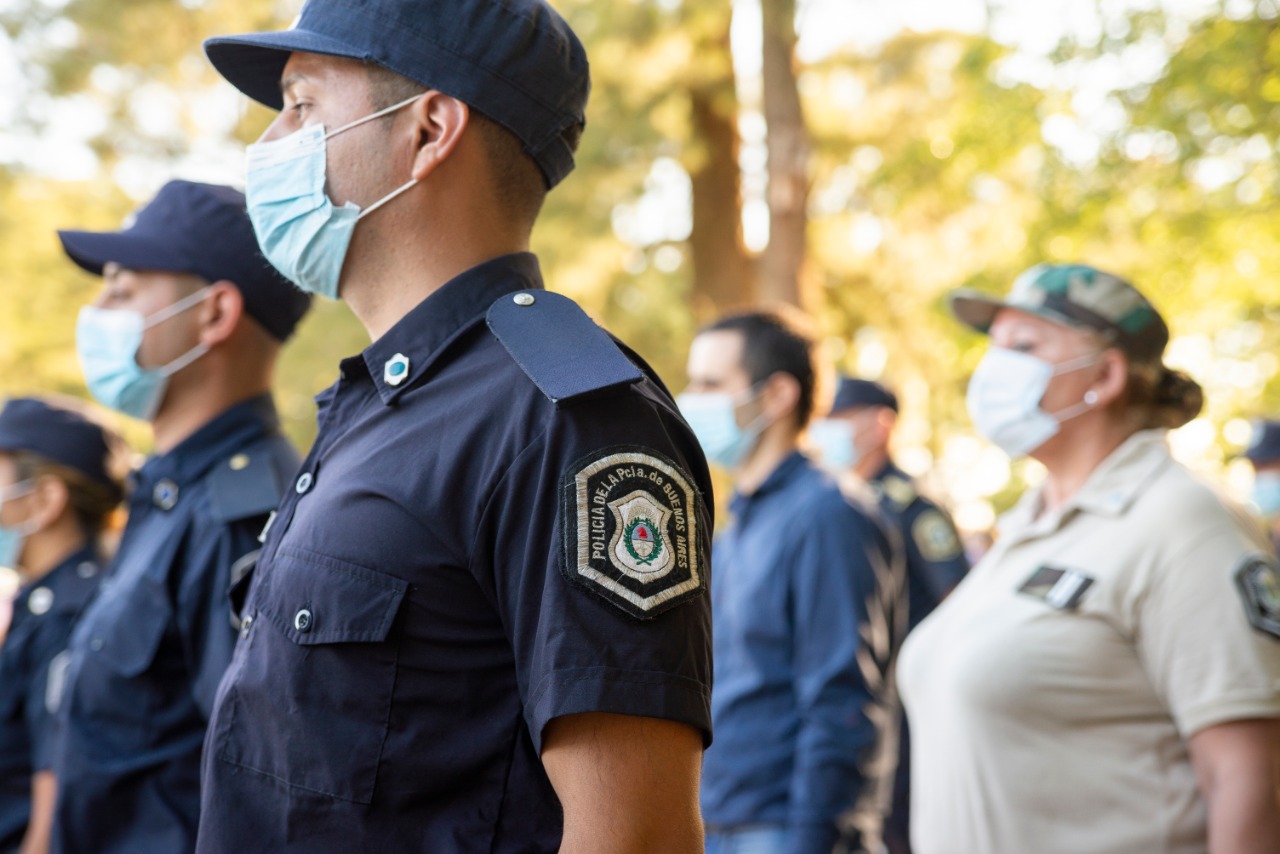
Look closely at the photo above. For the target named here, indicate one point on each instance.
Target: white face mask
(1004, 399)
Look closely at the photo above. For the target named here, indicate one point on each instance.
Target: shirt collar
(1109, 491)
(195, 455)
(783, 473)
(70, 582)
(400, 358)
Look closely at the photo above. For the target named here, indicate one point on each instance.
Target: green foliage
(933, 167)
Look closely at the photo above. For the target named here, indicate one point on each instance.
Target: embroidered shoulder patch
(935, 537)
(631, 530)
(1258, 579)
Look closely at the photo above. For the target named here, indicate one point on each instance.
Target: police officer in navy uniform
(479, 621)
(184, 334)
(60, 481)
(855, 438)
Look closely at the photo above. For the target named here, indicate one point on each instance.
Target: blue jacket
(803, 592)
(32, 662)
(149, 651)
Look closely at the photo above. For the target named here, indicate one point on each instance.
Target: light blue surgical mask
(1266, 494)
(300, 231)
(13, 537)
(836, 443)
(107, 342)
(712, 416)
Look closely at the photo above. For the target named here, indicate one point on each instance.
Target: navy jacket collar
(71, 582)
(192, 458)
(423, 334)
(786, 471)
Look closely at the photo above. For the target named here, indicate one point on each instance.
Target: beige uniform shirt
(1055, 719)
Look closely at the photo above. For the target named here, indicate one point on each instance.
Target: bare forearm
(1244, 818)
(628, 785)
(676, 834)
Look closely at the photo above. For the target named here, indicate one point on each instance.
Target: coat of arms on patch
(631, 530)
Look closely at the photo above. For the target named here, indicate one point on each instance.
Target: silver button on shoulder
(87, 569)
(523, 299)
(303, 483)
(303, 620)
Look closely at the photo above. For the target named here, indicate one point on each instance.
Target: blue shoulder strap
(562, 350)
(243, 486)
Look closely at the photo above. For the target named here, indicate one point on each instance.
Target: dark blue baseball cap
(202, 229)
(58, 434)
(516, 61)
(1264, 444)
(855, 394)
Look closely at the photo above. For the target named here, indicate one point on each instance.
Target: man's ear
(220, 313)
(438, 123)
(779, 396)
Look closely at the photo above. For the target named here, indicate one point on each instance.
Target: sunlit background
(945, 143)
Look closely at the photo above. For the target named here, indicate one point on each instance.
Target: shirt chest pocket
(126, 635)
(308, 696)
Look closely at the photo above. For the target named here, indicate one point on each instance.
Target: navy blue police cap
(58, 434)
(1264, 445)
(855, 394)
(516, 61)
(202, 229)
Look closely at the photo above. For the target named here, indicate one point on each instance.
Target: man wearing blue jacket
(803, 602)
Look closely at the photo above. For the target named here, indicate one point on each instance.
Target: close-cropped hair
(518, 181)
(777, 341)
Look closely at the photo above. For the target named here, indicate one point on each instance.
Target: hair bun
(1178, 399)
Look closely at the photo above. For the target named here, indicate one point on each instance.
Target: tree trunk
(724, 275)
(782, 264)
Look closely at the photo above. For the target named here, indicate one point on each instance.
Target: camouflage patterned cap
(1075, 295)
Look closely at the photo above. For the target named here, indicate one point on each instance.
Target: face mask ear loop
(373, 207)
(384, 112)
(177, 308)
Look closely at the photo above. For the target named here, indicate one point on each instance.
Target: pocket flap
(127, 639)
(316, 599)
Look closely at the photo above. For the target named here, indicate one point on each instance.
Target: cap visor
(254, 62)
(92, 250)
(974, 309)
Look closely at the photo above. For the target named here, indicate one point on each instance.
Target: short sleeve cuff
(623, 692)
(1221, 710)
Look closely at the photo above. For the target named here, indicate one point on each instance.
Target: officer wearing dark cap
(184, 334)
(855, 437)
(480, 621)
(60, 481)
(1264, 453)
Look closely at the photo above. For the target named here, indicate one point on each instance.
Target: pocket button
(302, 620)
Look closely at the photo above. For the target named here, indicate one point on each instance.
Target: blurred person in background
(1264, 453)
(184, 335)
(802, 601)
(60, 482)
(1107, 679)
(854, 439)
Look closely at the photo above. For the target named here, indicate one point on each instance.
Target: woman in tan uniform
(1107, 680)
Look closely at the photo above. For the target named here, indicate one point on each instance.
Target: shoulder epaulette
(562, 350)
(243, 486)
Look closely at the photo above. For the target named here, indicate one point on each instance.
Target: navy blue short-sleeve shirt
(462, 559)
(32, 669)
(148, 653)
